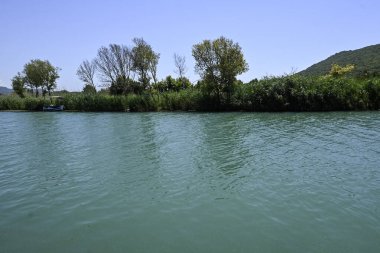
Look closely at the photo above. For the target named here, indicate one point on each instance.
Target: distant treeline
(130, 83)
(285, 93)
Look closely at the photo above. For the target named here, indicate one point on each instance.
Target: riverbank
(274, 94)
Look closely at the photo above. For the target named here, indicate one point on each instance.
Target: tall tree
(153, 68)
(86, 72)
(113, 62)
(104, 65)
(180, 64)
(18, 84)
(52, 76)
(218, 62)
(122, 59)
(145, 61)
(41, 74)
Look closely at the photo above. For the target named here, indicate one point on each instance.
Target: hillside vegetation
(366, 61)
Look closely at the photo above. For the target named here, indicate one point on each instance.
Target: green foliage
(372, 87)
(37, 74)
(12, 103)
(41, 74)
(284, 93)
(219, 62)
(115, 64)
(18, 103)
(297, 93)
(143, 103)
(184, 100)
(124, 85)
(183, 83)
(94, 102)
(35, 104)
(144, 61)
(172, 84)
(339, 71)
(366, 61)
(18, 85)
(120, 86)
(89, 89)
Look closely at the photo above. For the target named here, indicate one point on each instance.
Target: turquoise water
(189, 182)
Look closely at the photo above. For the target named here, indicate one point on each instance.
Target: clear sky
(276, 36)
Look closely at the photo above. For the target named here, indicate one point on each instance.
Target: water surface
(189, 182)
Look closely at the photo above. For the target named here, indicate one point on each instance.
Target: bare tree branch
(86, 72)
(104, 65)
(180, 65)
(113, 62)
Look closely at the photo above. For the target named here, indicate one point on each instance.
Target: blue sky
(276, 36)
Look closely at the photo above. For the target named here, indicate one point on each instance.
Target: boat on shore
(53, 108)
(55, 105)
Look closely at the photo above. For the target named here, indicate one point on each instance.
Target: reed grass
(285, 93)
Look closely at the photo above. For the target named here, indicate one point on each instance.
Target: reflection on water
(184, 182)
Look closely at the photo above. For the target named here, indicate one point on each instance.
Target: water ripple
(214, 182)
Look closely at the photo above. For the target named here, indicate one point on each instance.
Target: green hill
(366, 61)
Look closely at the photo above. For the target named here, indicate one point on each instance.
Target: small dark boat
(53, 108)
(55, 105)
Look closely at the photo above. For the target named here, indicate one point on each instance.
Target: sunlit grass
(285, 93)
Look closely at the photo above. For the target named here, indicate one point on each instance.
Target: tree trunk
(218, 100)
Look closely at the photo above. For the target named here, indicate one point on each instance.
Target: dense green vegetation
(366, 61)
(129, 83)
(285, 93)
(218, 62)
(122, 69)
(37, 75)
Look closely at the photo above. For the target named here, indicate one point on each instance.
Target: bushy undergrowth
(296, 93)
(14, 102)
(286, 93)
(94, 102)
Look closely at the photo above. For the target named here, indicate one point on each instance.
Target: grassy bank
(297, 93)
(286, 93)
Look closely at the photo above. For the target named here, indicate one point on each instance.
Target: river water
(190, 182)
